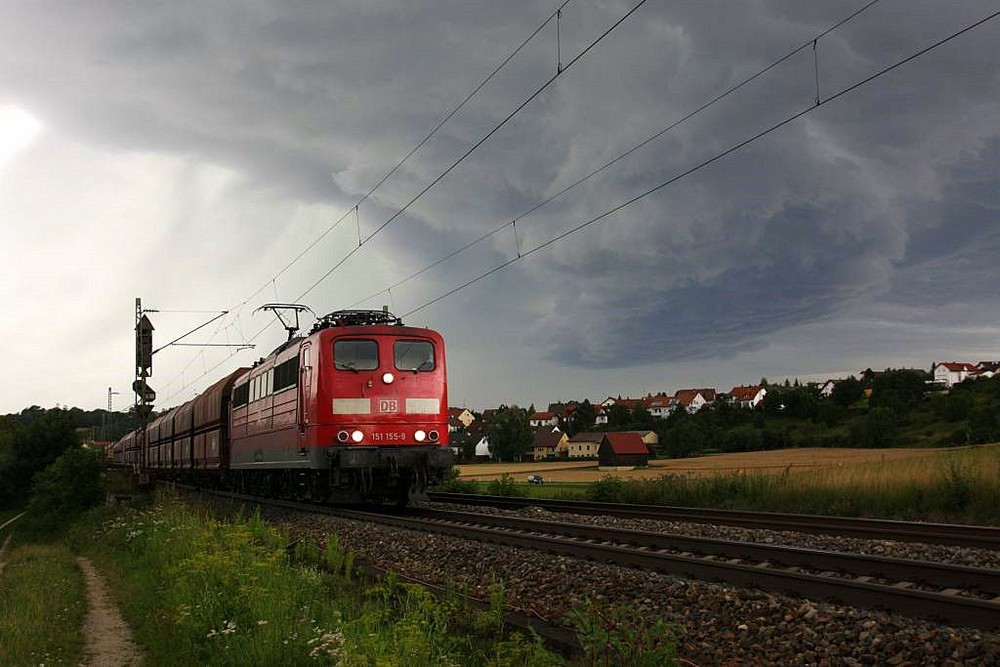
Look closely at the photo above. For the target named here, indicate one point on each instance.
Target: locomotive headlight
(342, 436)
(434, 436)
(388, 378)
(420, 435)
(357, 436)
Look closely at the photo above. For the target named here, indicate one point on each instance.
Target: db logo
(388, 405)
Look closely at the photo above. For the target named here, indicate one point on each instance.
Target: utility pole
(106, 429)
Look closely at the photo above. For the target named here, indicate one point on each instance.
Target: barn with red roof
(622, 450)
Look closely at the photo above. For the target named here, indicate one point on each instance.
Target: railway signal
(143, 343)
(144, 391)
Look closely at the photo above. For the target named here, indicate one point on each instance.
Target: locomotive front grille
(409, 457)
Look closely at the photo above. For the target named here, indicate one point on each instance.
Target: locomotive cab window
(413, 355)
(355, 355)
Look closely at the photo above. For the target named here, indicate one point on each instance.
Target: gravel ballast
(714, 623)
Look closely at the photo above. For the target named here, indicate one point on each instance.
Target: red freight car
(210, 458)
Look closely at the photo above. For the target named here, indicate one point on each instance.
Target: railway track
(985, 537)
(946, 593)
(950, 594)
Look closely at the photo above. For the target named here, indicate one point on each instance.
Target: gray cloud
(275, 117)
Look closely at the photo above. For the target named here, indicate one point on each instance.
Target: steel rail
(948, 607)
(942, 576)
(987, 537)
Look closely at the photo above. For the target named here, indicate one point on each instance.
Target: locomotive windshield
(355, 355)
(413, 355)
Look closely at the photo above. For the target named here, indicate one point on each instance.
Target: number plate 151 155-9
(389, 436)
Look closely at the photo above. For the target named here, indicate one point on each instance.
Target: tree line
(878, 409)
(33, 439)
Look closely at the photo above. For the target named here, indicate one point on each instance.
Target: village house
(483, 452)
(987, 369)
(826, 389)
(950, 373)
(748, 397)
(660, 406)
(547, 443)
(459, 418)
(584, 445)
(563, 411)
(538, 419)
(601, 418)
(619, 451)
(648, 437)
(692, 400)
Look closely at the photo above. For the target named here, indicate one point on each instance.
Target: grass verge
(42, 606)
(197, 590)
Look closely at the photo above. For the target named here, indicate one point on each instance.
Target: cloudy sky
(200, 155)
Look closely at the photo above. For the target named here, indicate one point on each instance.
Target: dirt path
(109, 639)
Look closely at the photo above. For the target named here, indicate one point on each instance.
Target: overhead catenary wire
(718, 98)
(587, 49)
(476, 145)
(718, 156)
(354, 209)
(688, 172)
(520, 107)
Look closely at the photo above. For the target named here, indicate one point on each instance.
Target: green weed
(42, 606)
(619, 636)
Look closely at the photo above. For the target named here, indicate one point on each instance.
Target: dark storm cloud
(888, 193)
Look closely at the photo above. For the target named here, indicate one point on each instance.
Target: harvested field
(792, 460)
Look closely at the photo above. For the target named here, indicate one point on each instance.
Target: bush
(505, 486)
(66, 488)
(452, 484)
(983, 424)
(607, 490)
(877, 429)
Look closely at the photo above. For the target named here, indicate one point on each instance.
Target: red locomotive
(355, 410)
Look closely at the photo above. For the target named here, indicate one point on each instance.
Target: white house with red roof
(660, 406)
(748, 396)
(601, 417)
(543, 419)
(691, 400)
(950, 373)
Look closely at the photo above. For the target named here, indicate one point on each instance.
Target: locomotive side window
(355, 355)
(241, 395)
(413, 355)
(286, 374)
